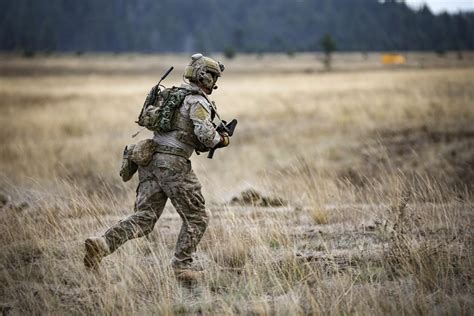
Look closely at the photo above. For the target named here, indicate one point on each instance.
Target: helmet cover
(203, 70)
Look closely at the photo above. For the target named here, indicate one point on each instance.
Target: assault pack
(160, 107)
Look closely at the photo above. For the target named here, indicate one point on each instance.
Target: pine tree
(329, 47)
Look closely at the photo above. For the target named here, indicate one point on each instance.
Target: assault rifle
(224, 127)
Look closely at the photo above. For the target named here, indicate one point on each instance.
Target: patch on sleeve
(201, 113)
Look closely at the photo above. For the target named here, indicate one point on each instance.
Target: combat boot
(96, 249)
(186, 271)
(188, 276)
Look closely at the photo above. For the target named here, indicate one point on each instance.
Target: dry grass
(375, 166)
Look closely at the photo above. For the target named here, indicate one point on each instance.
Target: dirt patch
(438, 153)
(7, 203)
(25, 102)
(403, 142)
(254, 198)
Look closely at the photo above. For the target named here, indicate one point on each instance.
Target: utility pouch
(128, 168)
(143, 151)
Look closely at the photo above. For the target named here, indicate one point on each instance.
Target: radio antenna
(165, 75)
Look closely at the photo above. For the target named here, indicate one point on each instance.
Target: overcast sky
(444, 5)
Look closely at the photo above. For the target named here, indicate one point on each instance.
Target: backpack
(159, 108)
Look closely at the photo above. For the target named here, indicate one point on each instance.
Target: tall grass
(375, 168)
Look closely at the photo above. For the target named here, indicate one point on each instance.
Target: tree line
(221, 25)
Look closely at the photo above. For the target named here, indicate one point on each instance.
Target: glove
(224, 140)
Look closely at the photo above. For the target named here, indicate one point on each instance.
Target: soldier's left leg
(184, 191)
(149, 206)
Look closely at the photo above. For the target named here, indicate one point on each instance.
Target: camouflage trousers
(166, 176)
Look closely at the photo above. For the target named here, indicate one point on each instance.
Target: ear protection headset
(203, 70)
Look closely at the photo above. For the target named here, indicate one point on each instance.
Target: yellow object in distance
(392, 59)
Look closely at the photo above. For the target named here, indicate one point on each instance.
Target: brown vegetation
(366, 183)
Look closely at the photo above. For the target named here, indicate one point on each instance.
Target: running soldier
(164, 168)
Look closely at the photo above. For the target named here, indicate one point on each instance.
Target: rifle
(224, 127)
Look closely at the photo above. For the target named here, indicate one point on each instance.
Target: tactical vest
(184, 128)
(165, 116)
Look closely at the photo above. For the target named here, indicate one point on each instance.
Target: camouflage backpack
(160, 107)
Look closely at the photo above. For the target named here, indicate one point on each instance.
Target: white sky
(438, 6)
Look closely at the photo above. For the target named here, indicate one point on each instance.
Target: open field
(365, 178)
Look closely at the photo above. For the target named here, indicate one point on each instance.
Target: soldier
(168, 173)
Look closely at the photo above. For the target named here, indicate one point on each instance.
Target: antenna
(165, 75)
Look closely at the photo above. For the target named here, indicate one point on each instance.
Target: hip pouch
(128, 168)
(143, 151)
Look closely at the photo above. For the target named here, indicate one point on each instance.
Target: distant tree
(244, 25)
(459, 54)
(440, 52)
(329, 47)
(29, 53)
(229, 52)
(365, 55)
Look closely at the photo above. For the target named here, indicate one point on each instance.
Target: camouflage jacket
(193, 124)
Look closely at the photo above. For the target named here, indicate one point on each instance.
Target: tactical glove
(224, 140)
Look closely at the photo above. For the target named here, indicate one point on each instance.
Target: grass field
(341, 192)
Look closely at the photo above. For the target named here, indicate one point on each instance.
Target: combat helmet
(203, 70)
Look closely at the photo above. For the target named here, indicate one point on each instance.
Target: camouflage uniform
(169, 175)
